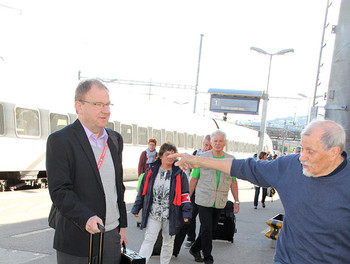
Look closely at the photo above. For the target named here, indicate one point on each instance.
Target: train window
(249, 148)
(117, 126)
(190, 141)
(142, 134)
(169, 137)
(57, 122)
(72, 117)
(27, 122)
(245, 145)
(181, 140)
(110, 125)
(229, 145)
(199, 141)
(126, 131)
(235, 146)
(240, 147)
(157, 134)
(2, 120)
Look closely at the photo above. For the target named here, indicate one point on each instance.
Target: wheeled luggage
(131, 257)
(128, 256)
(100, 249)
(226, 227)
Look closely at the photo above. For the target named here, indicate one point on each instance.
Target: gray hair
(297, 149)
(218, 132)
(333, 133)
(207, 137)
(85, 86)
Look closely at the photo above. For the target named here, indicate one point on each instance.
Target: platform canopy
(235, 101)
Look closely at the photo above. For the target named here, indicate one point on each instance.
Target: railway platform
(26, 238)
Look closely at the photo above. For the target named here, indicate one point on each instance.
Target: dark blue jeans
(256, 197)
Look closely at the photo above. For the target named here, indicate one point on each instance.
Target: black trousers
(191, 233)
(257, 192)
(209, 218)
(111, 251)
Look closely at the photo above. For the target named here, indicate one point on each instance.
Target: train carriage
(24, 131)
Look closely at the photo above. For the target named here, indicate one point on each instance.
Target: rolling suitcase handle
(123, 247)
(102, 229)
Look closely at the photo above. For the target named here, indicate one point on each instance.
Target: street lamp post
(199, 64)
(308, 107)
(266, 94)
(309, 114)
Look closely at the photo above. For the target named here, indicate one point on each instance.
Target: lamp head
(258, 50)
(284, 51)
(281, 52)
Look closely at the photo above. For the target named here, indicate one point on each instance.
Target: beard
(305, 171)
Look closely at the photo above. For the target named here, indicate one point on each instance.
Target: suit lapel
(85, 144)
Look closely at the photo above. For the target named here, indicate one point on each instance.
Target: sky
(46, 43)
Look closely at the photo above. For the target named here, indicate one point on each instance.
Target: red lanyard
(102, 156)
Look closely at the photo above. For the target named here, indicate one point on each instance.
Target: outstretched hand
(186, 161)
(193, 162)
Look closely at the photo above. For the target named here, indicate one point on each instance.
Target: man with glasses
(85, 176)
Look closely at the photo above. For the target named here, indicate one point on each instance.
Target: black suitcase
(128, 256)
(226, 227)
(131, 257)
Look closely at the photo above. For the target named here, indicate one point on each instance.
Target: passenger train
(24, 131)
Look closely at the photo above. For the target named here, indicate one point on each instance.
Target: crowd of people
(85, 178)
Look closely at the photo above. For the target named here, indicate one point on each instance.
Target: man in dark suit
(85, 176)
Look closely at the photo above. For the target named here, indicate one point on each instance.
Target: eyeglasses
(97, 104)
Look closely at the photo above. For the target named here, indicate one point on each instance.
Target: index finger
(176, 155)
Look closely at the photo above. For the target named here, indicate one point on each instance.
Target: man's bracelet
(236, 202)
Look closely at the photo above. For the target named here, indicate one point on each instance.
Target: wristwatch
(236, 202)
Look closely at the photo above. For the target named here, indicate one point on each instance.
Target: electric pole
(338, 96)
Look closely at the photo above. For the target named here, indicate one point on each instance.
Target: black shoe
(263, 205)
(209, 261)
(255, 207)
(197, 256)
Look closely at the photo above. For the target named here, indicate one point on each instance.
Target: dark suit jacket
(76, 188)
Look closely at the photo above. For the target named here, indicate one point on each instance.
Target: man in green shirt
(211, 197)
